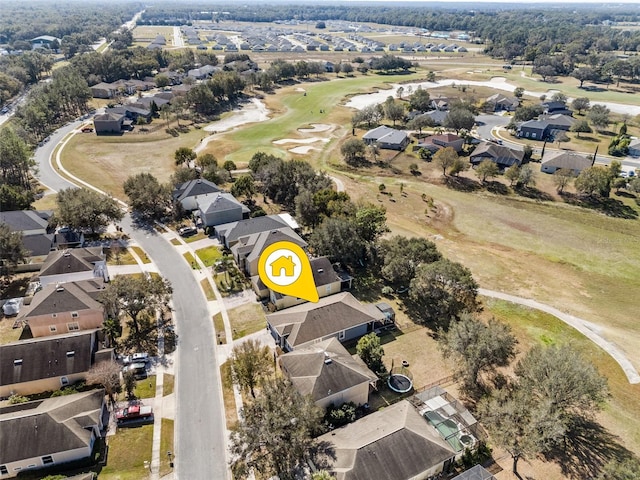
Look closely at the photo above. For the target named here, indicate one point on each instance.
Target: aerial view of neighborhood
(278, 240)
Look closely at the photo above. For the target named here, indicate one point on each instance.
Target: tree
(562, 177)
(634, 185)
(527, 112)
(275, 433)
(81, 208)
(594, 180)
(518, 92)
(580, 104)
(229, 166)
(184, 155)
(421, 121)
(545, 71)
(347, 68)
(371, 222)
(353, 151)
(162, 81)
(135, 295)
(401, 256)
(106, 374)
(581, 126)
(420, 100)
(561, 137)
(487, 169)
(250, 363)
(441, 291)
(148, 196)
(526, 176)
(599, 116)
(477, 349)
(559, 97)
(459, 165)
(445, 158)
(244, 186)
(459, 118)
(12, 250)
(371, 352)
(129, 380)
(338, 239)
(394, 111)
(206, 160)
(583, 74)
(628, 469)
(512, 174)
(15, 177)
(324, 475)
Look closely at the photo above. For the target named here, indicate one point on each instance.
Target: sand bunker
(300, 140)
(252, 112)
(302, 150)
(316, 127)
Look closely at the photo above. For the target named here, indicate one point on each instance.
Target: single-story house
(438, 116)
(545, 126)
(503, 156)
(37, 237)
(551, 107)
(104, 90)
(64, 308)
(440, 103)
(326, 279)
(45, 41)
(147, 102)
(396, 443)
(229, 233)
(187, 193)
(502, 102)
(131, 112)
(329, 374)
(50, 432)
(338, 316)
(553, 161)
(49, 363)
(219, 208)
(387, 138)
(634, 148)
(109, 123)
(73, 265)
(437, 142)
(247, 250)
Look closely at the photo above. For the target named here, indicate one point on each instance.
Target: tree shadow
(323, 455)
(587, 447)
(533, 193)
(497, 188)
(462, 184)
(609, 206)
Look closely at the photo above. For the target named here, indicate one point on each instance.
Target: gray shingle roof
(71, 260)
(568, 160)
(312, 374)
(234, 230)
(219, 202)
(199, 186)
(47, 427)
(25, 220)
(396, 443)
(64, 298)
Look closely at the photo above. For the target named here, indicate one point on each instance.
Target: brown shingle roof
(70, 261)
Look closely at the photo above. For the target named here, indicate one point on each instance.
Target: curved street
(200, 431)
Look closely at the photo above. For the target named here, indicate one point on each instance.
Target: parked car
(139, 370)
(187, 231)
(11, 307)
(140, 357)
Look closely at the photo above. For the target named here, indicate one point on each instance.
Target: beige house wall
(358, 394)
(39, 386)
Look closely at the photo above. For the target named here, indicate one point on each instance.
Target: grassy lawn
(128, 450)
(124, 258)
(175, 241)
(47, 202)
(166, 445)
(141, 253)
(194, 238)
(168, 384)
(8, 334)
(246, 319)
(218, 326)
(209, 255)
(190, 260)
(228, 283)
(208, 289)
(230, 414)
(144, 389)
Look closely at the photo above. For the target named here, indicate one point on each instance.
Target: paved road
(200, 432)
(588, 329)
(178, 41)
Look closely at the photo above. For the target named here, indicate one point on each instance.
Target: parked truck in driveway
(134, 414)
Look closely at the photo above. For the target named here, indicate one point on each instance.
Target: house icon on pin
(283, 263)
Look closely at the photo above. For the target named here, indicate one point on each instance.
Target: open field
(146, 33)
(246, 319)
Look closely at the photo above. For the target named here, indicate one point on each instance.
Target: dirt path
(588, 329)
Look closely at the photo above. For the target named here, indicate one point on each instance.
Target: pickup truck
(134, 414)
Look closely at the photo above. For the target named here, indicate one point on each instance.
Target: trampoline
(400, 383)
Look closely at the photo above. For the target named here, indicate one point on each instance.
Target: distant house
(51, 432)
(34, 226)
(338, 316)
(109, 123)
(325, 278)
(440, 103)
(104, 90)
(147, 102)
(559, 108)
(73, 265)
(187, 193)
(131, 112)
(219, 208)
(248, 249)
(64, 308)
(387, 138)
(545, 127)
(395, 443)
(48, 363)
(503, 156)
(230, 233)
(438, 116)
(634, 148)
(45, 41)
(553, 161)
(501, 102)
(329, 374)
(437, 142)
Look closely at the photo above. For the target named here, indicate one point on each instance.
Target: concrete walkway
(588, 329)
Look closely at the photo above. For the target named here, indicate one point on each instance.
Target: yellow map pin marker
(284, 267)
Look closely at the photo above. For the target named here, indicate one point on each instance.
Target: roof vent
(71, 353)
(66, 253)
(17, 362)
(327, 359)
(59, 288)
(320, 270)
